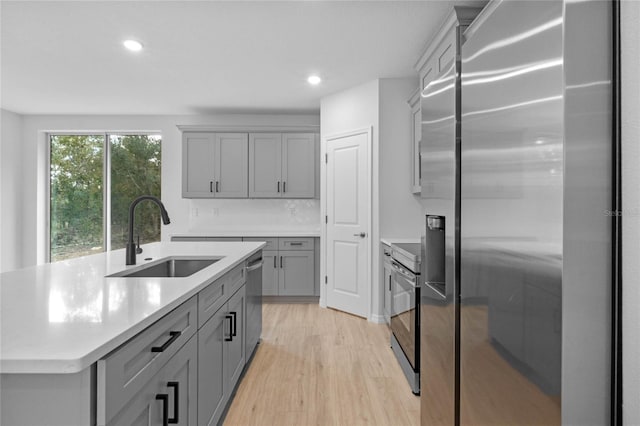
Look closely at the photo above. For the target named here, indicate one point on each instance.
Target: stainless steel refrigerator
(516, 185)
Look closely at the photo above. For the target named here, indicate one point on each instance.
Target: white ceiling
(201, 57)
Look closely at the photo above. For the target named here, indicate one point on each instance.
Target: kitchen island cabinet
(84, 363)
(221, 353)
(174, 387)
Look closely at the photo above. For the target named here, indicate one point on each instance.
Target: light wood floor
(318, 366)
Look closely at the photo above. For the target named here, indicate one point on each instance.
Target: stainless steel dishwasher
(254, 302)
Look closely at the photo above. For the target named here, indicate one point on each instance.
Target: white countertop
(389, 241)
(251, 233)
(64, 316)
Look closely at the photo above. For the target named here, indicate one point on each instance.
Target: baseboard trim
(378, 319)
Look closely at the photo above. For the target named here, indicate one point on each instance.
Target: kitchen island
(63, 324)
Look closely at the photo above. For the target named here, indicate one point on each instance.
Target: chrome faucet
(132, 250)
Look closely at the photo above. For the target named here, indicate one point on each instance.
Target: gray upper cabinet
(265, 165)
(282, 165)
(198, 167)
(416, 132)
(214, 165)
(298, 165)
(439, 55)
(232, 168)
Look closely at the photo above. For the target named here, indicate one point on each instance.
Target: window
(93, 180)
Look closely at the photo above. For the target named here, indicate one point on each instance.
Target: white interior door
(348, 216)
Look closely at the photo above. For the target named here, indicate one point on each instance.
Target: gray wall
(400, 211)
(631, 210)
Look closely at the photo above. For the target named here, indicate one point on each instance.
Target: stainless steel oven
(405, 310)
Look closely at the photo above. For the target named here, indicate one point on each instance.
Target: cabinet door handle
(284, 186)
(389, 282)
(174, 336)
(278, 186)
(233, 322)
(176, 401)
(165, 407)
(280, 261)
(295, 244)
(217, 186)
(210, 186)
(275, 260)
(230, 338)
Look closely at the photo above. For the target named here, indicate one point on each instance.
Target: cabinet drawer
(272, 243)
(124, 372)
(145, 409)
(216, 294)
(295, 243)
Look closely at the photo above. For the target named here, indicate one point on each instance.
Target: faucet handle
(138, 249)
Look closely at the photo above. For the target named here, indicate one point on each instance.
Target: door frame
(368, 131)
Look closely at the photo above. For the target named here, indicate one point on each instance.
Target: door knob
(361, 235)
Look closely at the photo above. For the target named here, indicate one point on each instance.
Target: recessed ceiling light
(314, 80)
(133, 45)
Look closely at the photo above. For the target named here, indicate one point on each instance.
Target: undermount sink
(172, 267)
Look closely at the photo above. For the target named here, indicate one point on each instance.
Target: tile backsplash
(229, 214)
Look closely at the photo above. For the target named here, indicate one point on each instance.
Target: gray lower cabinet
(127, 372)
(236, 354)
(221, 358)
(170, 397)
(295, 277)
(290, 270)
(270, 271)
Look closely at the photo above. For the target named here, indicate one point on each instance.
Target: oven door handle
(402, 272)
